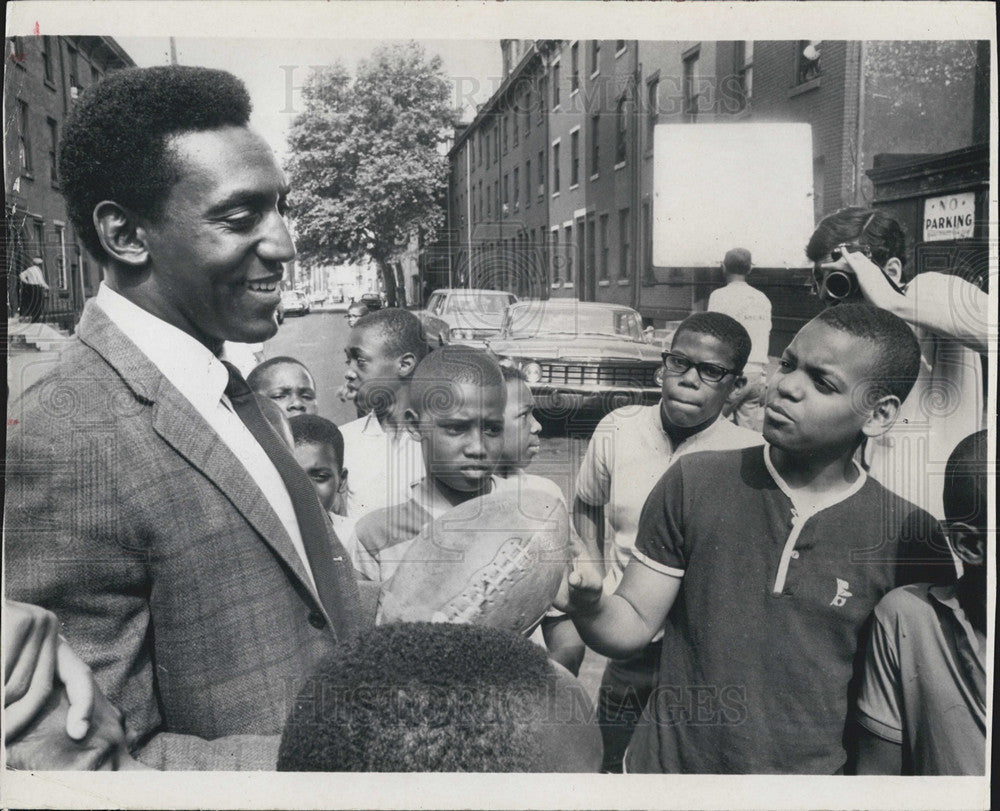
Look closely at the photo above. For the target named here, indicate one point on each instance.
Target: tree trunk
(400, 284)
(388, 280)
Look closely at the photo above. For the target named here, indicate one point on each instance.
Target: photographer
(858, 254)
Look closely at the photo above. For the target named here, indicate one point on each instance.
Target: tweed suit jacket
(131, 520)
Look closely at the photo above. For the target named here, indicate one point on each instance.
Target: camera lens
(839, 284)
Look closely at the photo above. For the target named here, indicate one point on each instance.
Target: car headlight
(460, 334)
(658, 375)
(532, 371)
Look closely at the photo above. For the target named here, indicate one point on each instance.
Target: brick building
(42, 78)
(862, 100)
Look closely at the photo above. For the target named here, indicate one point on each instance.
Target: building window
(74, 76)
(95, 75)
(595, 144)
(40, 240)
(647, 239)
(46, 49)
(516, 123)
(652, 108)
(541, 101)
(53, 145)
(24, 138)
(541, 175)
(554, 255)
(619, 47)
(691, 87)
(482, 146)
(528, 100)
(744, 72)
(506, 195)
(496, 143)
(527, 183)
(574, 158)
(62, 268)
(555, 84)
(625, 245)
(574, 67)
(591, 255)
(595, 56)
(489, 200)
(807, 61)
(605, 247)
(517, 188)
(480, 199)
(570, 248)
(505, 122)
(555, 168)
(472, 151)
(621, 132)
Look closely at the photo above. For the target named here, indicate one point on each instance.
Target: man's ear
(968, 542)
(894, 270)
(882, 416)
(120, 234)
(412, 420)
(343, 481)
(406, 364)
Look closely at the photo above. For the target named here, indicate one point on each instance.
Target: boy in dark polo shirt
(764, 564)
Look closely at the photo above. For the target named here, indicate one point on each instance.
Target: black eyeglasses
(838, 253)
(708, 372)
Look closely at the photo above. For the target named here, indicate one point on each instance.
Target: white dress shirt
(201, 378)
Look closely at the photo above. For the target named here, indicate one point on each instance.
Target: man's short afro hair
(114, 144)
(897, 353)
(422, 697)
(256, 378)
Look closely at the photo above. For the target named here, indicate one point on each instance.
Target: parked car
(295, 302)
(581, 355)
(373, 301)
(317, 297)
(465, 316)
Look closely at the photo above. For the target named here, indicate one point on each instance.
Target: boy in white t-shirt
(629, 452)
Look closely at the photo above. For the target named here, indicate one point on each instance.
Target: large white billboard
(722, 186)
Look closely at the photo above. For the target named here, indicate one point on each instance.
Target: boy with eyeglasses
(762, 566)
(629, 452)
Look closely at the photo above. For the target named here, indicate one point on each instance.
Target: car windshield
(487, 303)
(529, 322)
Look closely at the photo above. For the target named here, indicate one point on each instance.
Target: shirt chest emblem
(842, 593)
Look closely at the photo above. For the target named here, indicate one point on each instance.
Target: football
(497, 560)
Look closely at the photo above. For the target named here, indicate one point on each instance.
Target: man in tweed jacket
(139, 509)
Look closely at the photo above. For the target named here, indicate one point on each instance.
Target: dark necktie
(316, 537)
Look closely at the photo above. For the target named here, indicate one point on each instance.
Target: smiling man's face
(216, 251)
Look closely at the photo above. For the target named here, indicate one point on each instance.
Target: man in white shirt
(383, 349)
(33, 289)
(752, 309)
(628, 454)
(150, 506)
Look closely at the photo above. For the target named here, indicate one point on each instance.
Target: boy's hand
(582, 585)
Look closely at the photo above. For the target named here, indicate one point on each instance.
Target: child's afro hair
(897, 353)
(422, 697)
(312, 429)
(725, 329)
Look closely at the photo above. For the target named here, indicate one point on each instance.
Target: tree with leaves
(365, 167)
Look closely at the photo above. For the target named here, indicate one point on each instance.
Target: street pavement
(318, 341)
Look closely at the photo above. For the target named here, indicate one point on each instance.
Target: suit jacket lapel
(184, 429)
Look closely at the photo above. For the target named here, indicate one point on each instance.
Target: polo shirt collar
(185, 362)
(804, 507)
